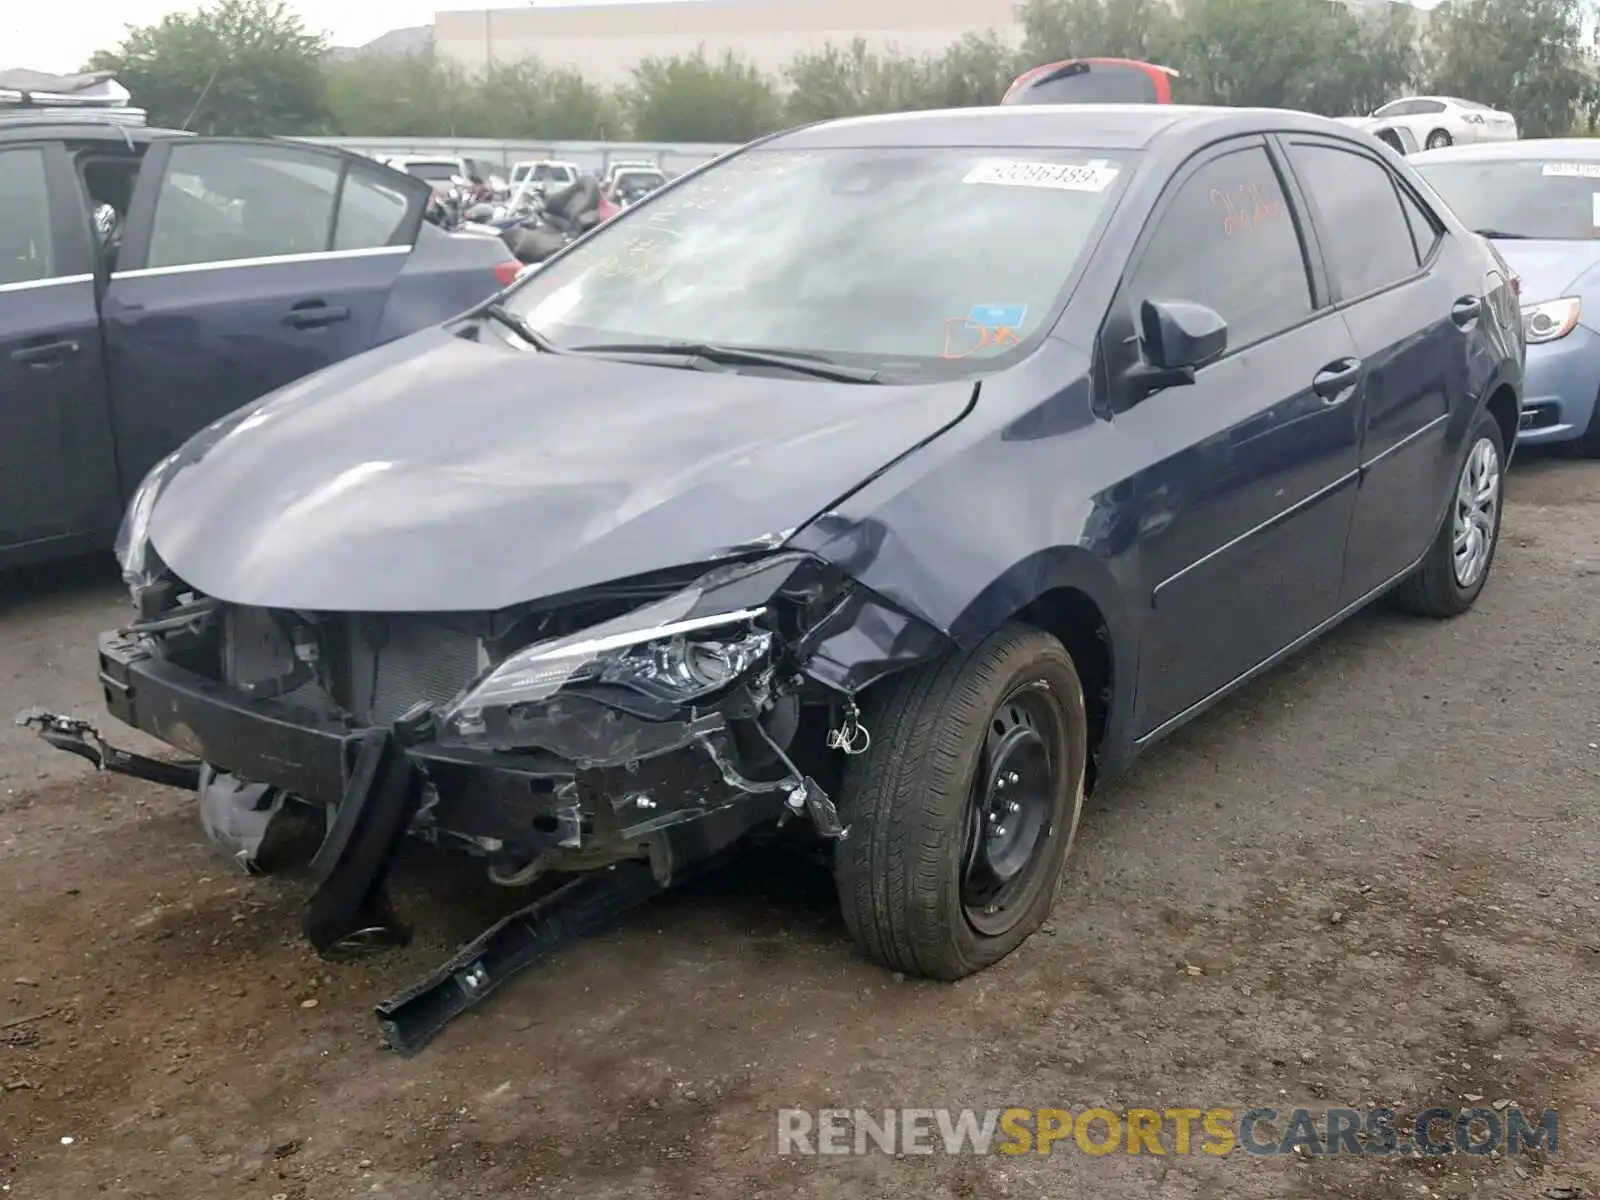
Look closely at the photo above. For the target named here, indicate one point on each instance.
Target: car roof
(82, 130)
(1569, 149)
(1087, 126)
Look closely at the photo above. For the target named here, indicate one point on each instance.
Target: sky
(45, 38)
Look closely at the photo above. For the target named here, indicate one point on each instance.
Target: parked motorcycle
(567, 214)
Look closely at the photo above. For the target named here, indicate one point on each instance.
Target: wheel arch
(1502, 404)
(1070, 593)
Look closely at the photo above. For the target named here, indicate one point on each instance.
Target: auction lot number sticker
(1066, 177)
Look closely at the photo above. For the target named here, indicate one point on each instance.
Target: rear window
(1521, 198)
(811, 252)
(1089, 83)
(550, 173)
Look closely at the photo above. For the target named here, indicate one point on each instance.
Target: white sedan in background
(1438, 121)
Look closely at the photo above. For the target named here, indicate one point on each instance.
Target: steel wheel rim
(1477, 510)
(1011, 809)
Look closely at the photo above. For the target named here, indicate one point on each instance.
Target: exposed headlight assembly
(683, 648)
(133, 536)
(1550, 321)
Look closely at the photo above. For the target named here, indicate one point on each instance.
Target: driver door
(245, 264)
(1246, 505)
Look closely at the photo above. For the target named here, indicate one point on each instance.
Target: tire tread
(890, 870)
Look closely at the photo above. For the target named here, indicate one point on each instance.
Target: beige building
(605, 40)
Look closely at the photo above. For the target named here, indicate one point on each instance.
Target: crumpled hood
(440, 474)
(1549, 269)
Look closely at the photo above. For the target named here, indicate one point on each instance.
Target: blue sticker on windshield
(997, 316)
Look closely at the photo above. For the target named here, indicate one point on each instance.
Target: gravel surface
(1369, 878)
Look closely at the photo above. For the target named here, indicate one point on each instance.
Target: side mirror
(1176, 339)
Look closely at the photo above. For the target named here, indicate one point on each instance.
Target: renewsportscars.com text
(1175, 1131)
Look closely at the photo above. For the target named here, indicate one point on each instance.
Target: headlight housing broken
(683, 648)
(132, 546)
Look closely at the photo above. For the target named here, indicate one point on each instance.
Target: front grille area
(374, 667)
(393, 662)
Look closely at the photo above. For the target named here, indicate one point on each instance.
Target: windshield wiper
(1501, 234)
(521, 328)
(803, 363)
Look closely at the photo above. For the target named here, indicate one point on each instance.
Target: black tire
(1435, 588)
(1438, 140)
(914, 803)
(1588, 446)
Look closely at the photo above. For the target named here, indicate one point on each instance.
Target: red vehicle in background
(1093, 81)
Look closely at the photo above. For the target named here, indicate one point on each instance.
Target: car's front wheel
(1449, 579)
(1438, 140)
(963, 808)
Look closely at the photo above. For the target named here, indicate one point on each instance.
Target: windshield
(433, 172)
(919, 261)
(1521, 198)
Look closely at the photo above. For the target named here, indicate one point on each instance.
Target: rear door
(245, 265)
(58, 474)
(1410, 324)
(1245, 509)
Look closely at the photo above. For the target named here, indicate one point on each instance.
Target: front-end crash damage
(634, 732)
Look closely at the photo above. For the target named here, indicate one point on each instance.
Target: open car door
(58, 471)
(245, 264)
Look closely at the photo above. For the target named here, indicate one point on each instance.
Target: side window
(224, 201)
(1424, 233)
(371, 214)
(1398, 109)
(1366, 239)
(27, 252)
(1227, 240)
(1428, 106)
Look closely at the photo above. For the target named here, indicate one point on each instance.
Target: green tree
(1517, 55)
(1300, 54)
(852, 81)
(531, 100)
(693, 98)
(245, 67)
(410, 95)
(1387, 62)
(1057, 29)
(975, 71)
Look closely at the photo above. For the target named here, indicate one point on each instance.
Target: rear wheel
(1438, 140)
(963, 809)
(1451, 576)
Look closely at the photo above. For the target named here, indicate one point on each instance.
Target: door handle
(1337, 380)
(1466, 310)
(42, 355)
(314, 314)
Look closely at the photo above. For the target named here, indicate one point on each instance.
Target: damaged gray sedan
(890, 480)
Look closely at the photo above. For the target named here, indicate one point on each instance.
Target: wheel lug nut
(999, 831)
(1013, 807)
(1013, 778)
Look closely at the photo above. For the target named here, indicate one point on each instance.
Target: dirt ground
(1435, 785)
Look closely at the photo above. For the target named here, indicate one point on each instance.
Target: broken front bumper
(678, 799)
